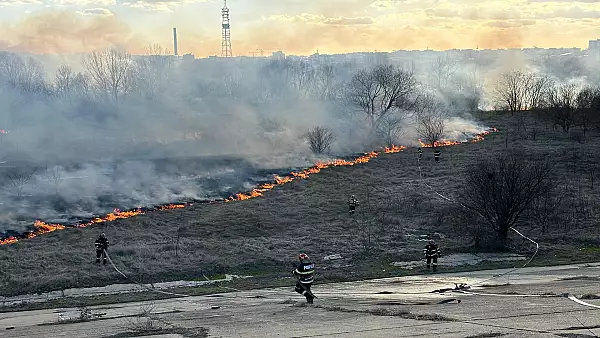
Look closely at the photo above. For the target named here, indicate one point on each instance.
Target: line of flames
(445, 143)
(43, 227)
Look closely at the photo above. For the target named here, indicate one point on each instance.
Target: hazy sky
(296, 26)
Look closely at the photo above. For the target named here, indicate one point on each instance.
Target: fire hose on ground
(537, 247)
(458, 290)
(153, 289)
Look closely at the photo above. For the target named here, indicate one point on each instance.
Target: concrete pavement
(522, 305)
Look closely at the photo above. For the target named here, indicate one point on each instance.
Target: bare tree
(467, 89)
(324, 84)
(381, 91)
(442, 69)
(462, 101)
(109, 71)
(81, 87)
(153, 71)
(547, 208)
(390, 129)
(19, 178)
(63, 82)
(588, 108)
(511, 92)
(562, 105)
(32, 77)
(54, 176)
(537, 93)
(287, 79)
(10, 68)
(25, 74)
(502, 190)
(431, 120)
(320, 139)
(472, 100)
(301, 77)
(70, 85)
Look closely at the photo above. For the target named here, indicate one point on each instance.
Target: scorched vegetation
(137, 132)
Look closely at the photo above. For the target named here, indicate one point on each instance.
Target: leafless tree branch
(320, 139)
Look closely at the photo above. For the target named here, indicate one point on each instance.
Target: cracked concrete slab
(358, 309)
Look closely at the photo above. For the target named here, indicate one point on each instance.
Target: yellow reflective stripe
(304, 273)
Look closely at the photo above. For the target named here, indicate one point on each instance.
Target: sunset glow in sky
(296, 26)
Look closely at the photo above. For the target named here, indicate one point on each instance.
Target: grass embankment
(262, 236)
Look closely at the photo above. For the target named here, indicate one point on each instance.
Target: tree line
(565, 104)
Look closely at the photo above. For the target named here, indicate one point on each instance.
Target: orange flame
(42, 227)
(8, 240)
(445, 143)
(113, 216)
(304, 174)
(172, 206)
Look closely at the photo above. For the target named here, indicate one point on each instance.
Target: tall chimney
(175, 40)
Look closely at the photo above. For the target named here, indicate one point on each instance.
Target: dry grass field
(262, 236)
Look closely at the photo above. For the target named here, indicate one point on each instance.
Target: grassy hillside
(262, 236)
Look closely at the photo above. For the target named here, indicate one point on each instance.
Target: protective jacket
(101, 243)
(431, 250)
(305, 272)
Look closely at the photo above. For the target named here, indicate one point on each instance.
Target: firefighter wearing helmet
(432, 253)
(101, 247)
(304, 271)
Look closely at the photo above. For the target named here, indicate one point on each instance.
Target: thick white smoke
(194, 129)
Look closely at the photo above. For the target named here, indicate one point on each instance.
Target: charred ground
(261, 236)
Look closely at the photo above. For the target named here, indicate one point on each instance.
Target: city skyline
(296, 27)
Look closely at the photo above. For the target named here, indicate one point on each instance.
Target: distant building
(279, 55)
(594, 48)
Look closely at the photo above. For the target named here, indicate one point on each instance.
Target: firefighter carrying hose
(436, 154)
(304, 271)
(352, 204)
(432, 253)
(101, 247)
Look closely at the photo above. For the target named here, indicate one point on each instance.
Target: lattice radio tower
(226, 34)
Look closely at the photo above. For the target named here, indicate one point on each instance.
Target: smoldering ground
(176, 130)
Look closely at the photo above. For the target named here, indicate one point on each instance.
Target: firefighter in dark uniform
(352, 204)
(432, 253)
(436, 154)
(420, 152)
(304, 271)
(101, 247)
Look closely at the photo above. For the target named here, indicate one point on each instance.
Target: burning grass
(43, 227)
(261, 236)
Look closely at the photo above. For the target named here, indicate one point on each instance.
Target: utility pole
(226, 34)
(253, 54)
